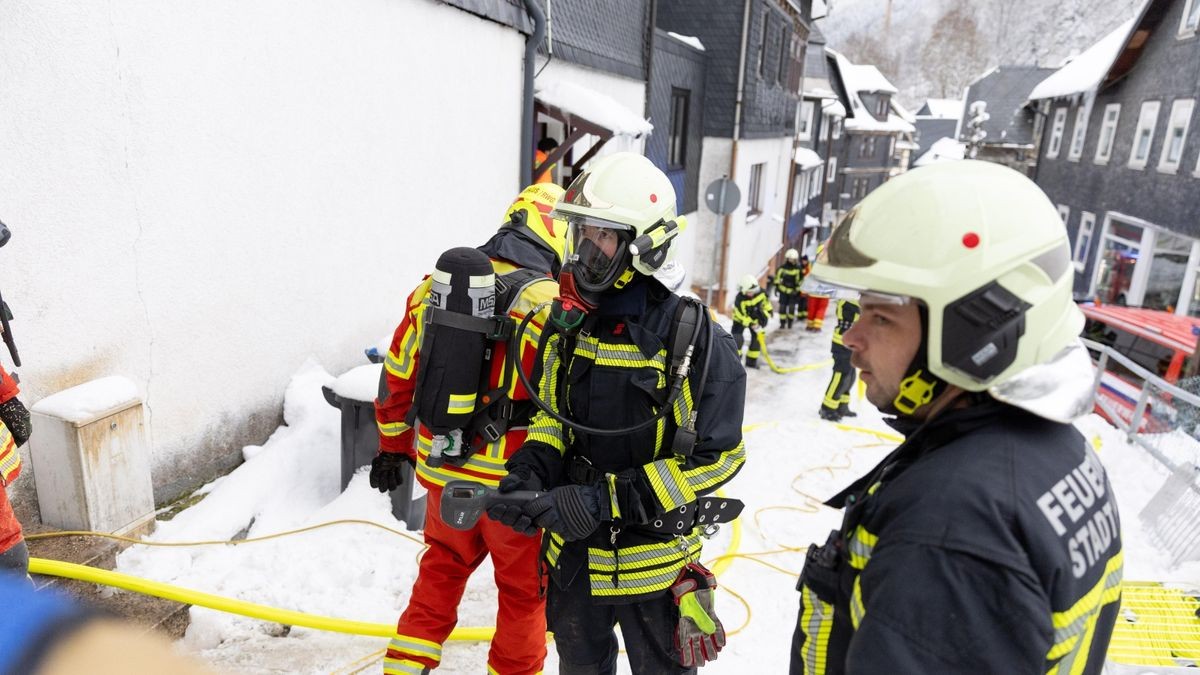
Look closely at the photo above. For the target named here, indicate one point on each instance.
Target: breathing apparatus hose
(676, 385)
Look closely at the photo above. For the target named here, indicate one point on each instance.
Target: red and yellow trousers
(519, 646)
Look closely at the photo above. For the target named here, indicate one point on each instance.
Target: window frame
(831, 170)
(762, 47)
(1144, 114)
(1064, 212)
(677, 138)
(807, 133)
(754, 189)
(1084, 237)
(1078, 134)
(860, 187)
(784, 49)
(1190, 8)
(1104, 150)
(1056, 133)
(867, 148)
(1181, 112)
(838, 123)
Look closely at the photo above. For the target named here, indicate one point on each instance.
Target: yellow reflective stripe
(671, 486)
(392, 428)
(613, 505)
(829, 400)
(482, 280)
(706, 476)
(860, 546)
(1074, 628)
(401, 667)
(639, 557)
(461, 404)
(618, 355)
(684, 403)
(10, 458)
(416, 646)
(817, 620)
(554, 548)
(857, 610)
(478, 468)
(401, 364)
(633, 583)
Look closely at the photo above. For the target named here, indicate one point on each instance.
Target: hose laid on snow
(762, 345)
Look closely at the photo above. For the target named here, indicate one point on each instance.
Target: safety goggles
(598, 249)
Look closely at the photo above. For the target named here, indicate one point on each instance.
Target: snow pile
(91, 400)
(943, 150)
(807, 159)
(943, 109)
(1085, 71)
(359, 384)
(591, 105)
(689, 40)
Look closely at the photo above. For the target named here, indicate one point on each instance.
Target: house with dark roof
(753, 74)
(1012, 128)
(877, 135)
(818, 131)
(1118, 158)
(936, 119)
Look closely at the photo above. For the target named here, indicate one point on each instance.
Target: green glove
(699, 636)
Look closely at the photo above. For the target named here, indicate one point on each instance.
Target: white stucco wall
(753, 243)
(204, 195)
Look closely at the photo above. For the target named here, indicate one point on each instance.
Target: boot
(846, 412)
(751, 363)
(831, 415)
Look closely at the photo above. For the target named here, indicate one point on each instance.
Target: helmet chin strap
(918, 387)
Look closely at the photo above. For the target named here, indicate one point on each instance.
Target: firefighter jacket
(788, 278)
(748, 310)
(988, 542)
(10, 468)
(400, 379)
(614, 374)
(847, 314)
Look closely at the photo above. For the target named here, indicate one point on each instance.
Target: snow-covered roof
(867, 79)
(817, 87)
(591, 105)
(833, 107)
(944, 108)
(689, 40)
(903, 144)
(942, 150)
(807, 159)
(902, 112)
(1085, 71)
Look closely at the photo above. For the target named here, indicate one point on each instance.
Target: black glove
(573, 511)
(387, 470)
(520, 477)
(16, 418)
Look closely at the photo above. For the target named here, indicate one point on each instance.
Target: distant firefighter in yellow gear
(836, 403)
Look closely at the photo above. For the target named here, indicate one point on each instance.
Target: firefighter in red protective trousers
(524, 253)
(632, 439)
(14, 431)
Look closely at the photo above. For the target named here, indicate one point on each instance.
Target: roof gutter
(531, 45)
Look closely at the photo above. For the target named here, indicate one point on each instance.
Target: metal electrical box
(91, 458)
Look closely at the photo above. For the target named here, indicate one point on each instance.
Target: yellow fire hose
(762, 345)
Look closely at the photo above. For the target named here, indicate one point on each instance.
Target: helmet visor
(814, 286)
(598, 248)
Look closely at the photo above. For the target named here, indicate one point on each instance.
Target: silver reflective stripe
(416, 646)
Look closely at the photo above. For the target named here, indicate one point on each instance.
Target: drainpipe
(737, 132)
(531, 45)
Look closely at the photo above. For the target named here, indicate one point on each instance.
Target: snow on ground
(364, 573)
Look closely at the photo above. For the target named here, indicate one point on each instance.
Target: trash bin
(354, 394)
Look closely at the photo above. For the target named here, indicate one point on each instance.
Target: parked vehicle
(1163, 343)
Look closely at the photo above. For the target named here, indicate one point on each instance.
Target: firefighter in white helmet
(751, 311)
(787, 285)
(989, 540)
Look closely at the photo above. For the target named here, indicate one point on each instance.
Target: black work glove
(16, 418)
(387, 470)
(520, 477)
(572, 511)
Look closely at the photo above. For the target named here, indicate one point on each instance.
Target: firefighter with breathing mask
(644, 398)
(989, 541)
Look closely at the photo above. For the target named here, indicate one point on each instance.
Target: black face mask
(572, 305)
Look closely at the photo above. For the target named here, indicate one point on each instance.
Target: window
(881, 109)
(859, 188)
(781, 75)
(754, 198)
(832, 170)
(866, 149)
(1056, 133)
(762, 46)
(677, 141)
(1083, 239)
(1191, 18)
(796, 72)
(1064, 212)
(1144, 136)
(804, 120)
(1177, 129)
(1078, 133)
(837, 127)
(1108, 131)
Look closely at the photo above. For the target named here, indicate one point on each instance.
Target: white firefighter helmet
(748, 284)
(981, 247)
(791, 255)
(621, 218)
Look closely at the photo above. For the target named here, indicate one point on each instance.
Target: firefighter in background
(544, 148)
(14, 431)
(788, 278)
(836, 403)
(524, 253)
(802, 301)
(989, 541)
(614, 555)
(818, 303)
(751, 310)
